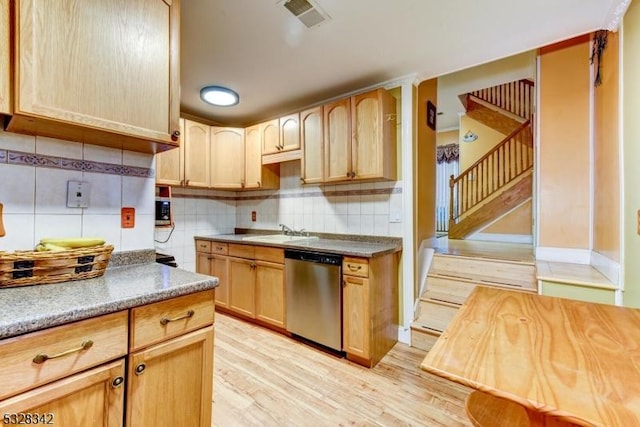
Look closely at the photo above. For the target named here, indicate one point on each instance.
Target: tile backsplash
(361, 209)
(34, 172)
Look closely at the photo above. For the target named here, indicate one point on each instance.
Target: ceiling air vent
(308, 13)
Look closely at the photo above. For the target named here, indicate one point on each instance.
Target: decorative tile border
(296, 195)
(45, 161)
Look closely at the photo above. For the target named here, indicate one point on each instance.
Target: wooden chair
(485, 410)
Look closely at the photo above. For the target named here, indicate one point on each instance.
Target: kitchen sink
(278, 238)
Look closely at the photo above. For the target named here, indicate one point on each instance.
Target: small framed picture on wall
(431, 115)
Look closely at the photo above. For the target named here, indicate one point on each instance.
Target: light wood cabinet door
(196, 154)
(242, 291)
(270, 299)
(91, 398)
(203, 263)
(220, 269)
(270, 136)
(356, 317)
(337, 141)
(5, 59)
(170, 384)
(170, 164)
(68, 71)
(227, 157)
(290, 132)
(373, 150)
(312, 142)
(253, 158)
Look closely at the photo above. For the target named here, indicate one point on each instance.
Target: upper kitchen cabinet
(5, 58)
(290, 132)
(104, 73)
(170, 164)
(196, 154)
(270, 136)
(373, 144)
(312, 140)
(360, 137)
(257, 175)
(227, 158)
(284, 146)
(337, 140)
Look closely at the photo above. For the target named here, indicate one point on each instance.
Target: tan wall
(448, 137)
(425, 167)
(564, 145)
(488, 138)
(631, 154)
(606, 221)
(517, 222)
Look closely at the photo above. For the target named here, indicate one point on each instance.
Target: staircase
(451, 279)
(500, 181)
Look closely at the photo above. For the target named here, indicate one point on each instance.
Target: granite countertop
(30, 308)
(341, 246)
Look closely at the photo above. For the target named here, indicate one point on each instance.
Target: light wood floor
(262, 378)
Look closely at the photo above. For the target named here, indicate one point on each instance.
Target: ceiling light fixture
(219, 96)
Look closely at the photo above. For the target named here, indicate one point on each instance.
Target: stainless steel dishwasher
(313, 283)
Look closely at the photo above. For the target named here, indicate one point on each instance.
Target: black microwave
(163, 211)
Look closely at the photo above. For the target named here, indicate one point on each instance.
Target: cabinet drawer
(242, 251)
(19, 371)
(219, 248)
(203, 246)
(153, 323)
(264, 253)
(355, 267)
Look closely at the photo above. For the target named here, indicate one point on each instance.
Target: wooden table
(569, 360)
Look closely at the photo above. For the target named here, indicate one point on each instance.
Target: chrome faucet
(286, 230)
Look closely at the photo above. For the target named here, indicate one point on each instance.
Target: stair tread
(487, 258)
(441, 298)
(419, 326)
(482, 280)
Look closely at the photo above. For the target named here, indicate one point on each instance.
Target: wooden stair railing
(501, 165)
(515, 97)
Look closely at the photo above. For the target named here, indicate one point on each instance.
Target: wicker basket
(23, 268)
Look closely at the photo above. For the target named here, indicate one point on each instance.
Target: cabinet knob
(186, 182)
(302, 180)
(259, 184)
(140, 369)
(175, 135)
(352, 174)
(117, 382)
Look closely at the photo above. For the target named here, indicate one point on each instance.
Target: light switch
(78, 194)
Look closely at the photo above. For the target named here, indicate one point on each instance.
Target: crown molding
(615, 15)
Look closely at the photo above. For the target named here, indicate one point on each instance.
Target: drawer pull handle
(41, 358)
(219, 248)
(354, 267)
(166, 320)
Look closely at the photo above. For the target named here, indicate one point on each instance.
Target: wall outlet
(253, 216)
(78, 194)
(128, 217)
(395, 216)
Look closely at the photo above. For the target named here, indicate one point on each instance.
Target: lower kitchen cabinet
(91, 398)
(74, 375)
(251, 279)
(370, 307)
(242, 288)
(270, 306)
(170, 383)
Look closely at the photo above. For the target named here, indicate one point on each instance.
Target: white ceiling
(277, 65)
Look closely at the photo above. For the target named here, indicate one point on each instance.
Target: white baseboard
(576, 256)
(404, 335)
(608, 267)
(502, 238)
